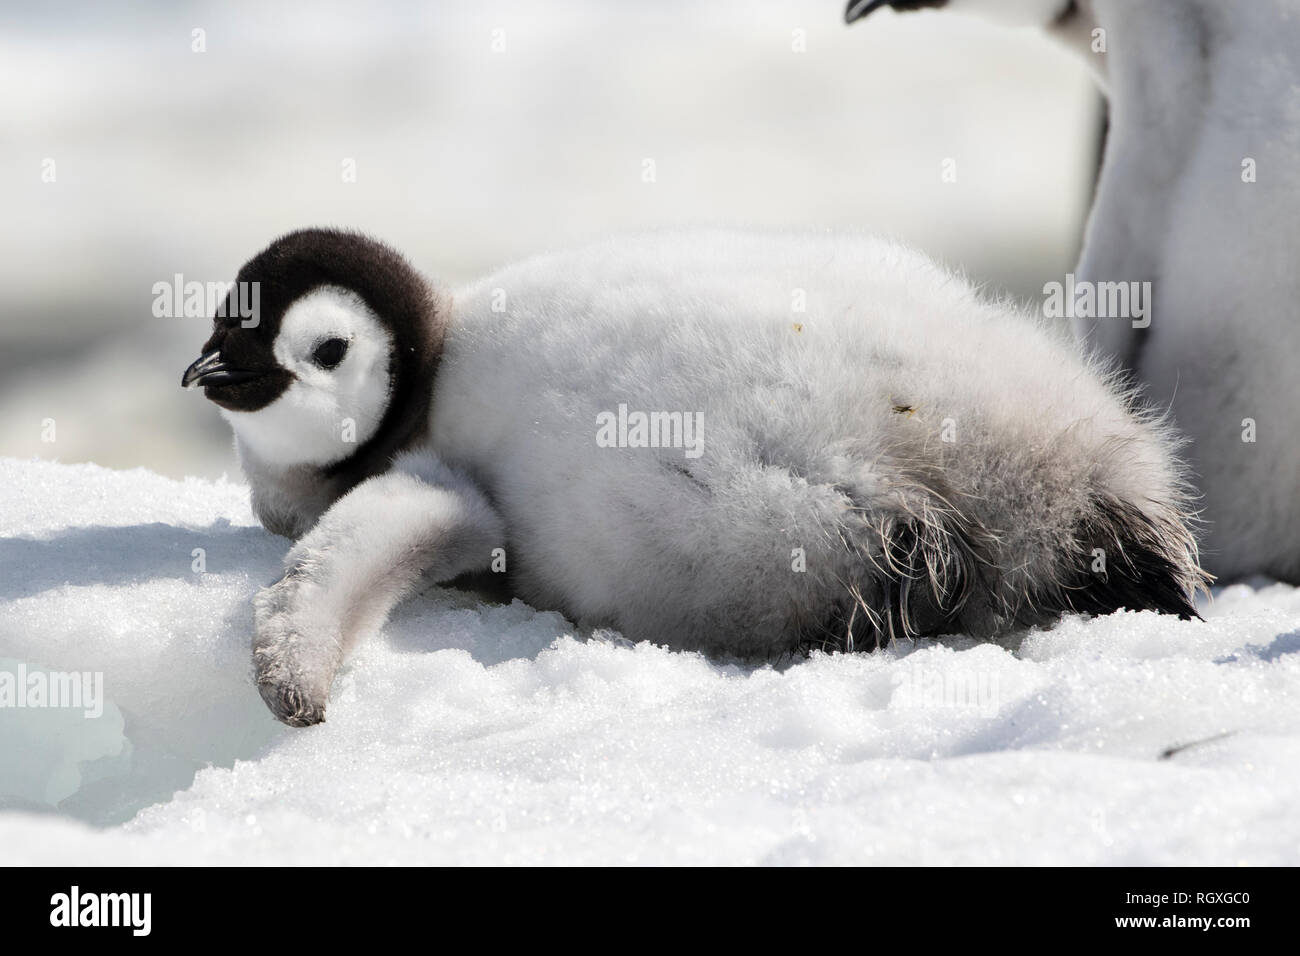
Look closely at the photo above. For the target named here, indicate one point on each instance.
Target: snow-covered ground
(479, 733)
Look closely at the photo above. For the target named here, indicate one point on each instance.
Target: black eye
(329, 353)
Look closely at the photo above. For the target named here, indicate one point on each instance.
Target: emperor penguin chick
(740, 444)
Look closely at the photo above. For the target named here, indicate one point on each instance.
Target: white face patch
(326, 413)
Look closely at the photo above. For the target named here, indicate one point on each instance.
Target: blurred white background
(173, 161)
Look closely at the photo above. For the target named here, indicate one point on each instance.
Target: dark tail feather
(1127, 560)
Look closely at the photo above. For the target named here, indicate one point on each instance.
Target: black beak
(211, 370)
(857, 9)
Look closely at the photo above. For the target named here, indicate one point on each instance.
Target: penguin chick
(740, 444)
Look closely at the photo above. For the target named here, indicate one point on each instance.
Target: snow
(474, 732)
